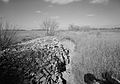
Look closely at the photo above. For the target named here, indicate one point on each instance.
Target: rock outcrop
(38, 61)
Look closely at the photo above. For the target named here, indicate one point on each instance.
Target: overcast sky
(30, 13)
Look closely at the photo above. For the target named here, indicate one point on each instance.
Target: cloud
(6, 1)
(55, 17)
(38, 11)
(91, 15)
(50, 6)
(61, 2)
(99, 1)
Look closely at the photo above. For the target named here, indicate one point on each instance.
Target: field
(28, 35)
(95, 51)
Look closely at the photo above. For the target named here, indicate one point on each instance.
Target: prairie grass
(27, 35)
(7, 34)
(94, 54)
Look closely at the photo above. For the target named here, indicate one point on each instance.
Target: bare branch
(50, 26)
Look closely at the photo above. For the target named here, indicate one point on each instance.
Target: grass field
(28, 35)
(95, 51)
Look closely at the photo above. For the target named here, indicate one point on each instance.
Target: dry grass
(7, 35)
(94, 53)
(27, 35)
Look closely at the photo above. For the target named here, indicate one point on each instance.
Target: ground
(94, 51)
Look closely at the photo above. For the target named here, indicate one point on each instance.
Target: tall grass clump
(97, 56)
(7, 34)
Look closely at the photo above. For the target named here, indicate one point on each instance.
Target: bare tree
(50, 26)
(7, 34)
(71, 27)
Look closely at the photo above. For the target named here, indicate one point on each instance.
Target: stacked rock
(39, 61)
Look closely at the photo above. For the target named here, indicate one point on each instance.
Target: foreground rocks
(36, 61)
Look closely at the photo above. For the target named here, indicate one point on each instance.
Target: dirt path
(68, 75)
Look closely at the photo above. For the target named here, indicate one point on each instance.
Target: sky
(29, 14)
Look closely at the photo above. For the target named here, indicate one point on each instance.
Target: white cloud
(91, 15)
(6, 1)
(38, 11)
(61, 2)
(55, 17)
(99, 1)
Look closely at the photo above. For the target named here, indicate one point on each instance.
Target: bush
(50, 26)
(7, 35)
(73, 27)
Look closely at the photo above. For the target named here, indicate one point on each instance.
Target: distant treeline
(38, 29)
(88, 28)
(74, 28)
(14, 30)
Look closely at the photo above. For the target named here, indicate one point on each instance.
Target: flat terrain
(27, 35)
(95, 51)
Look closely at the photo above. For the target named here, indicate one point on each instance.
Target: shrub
(73, 27)
(7, 35)
(50, 26)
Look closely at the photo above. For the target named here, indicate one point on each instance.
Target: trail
(68, 75)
